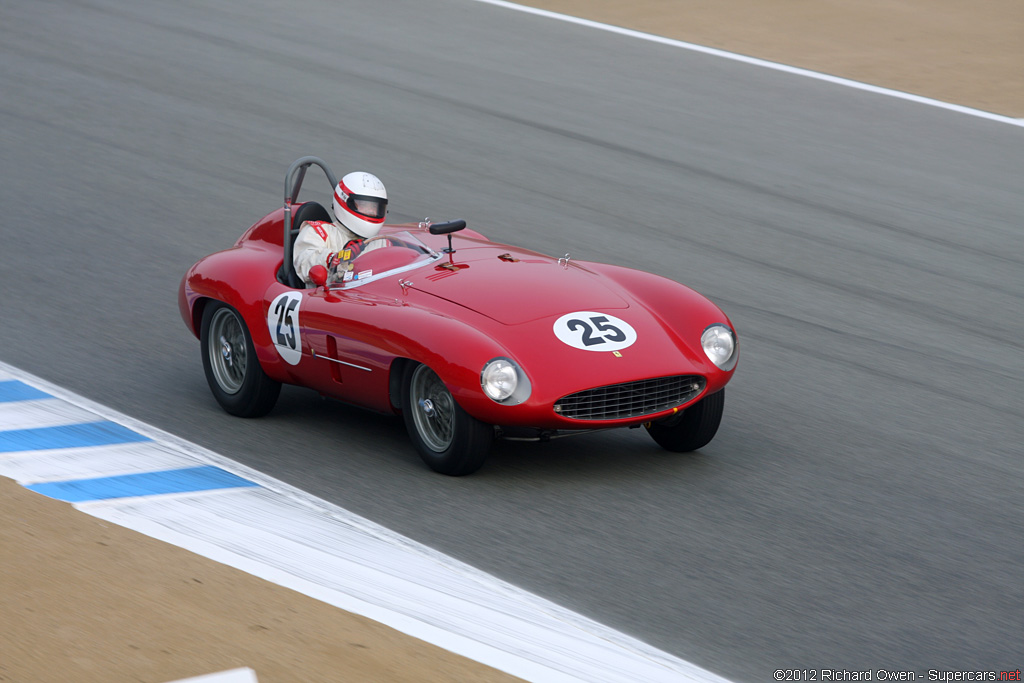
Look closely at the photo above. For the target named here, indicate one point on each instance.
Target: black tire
(448, 439)
(232, 369)
(691, 429)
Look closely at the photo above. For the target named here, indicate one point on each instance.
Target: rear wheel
(448, 438)
(691, 429)
(232, 369)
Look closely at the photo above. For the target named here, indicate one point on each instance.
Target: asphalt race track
(861, 504)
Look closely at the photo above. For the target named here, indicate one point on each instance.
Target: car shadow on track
(620, 454)
(317, 434)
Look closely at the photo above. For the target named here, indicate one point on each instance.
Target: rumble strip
(126, 472)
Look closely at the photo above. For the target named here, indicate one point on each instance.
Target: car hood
(514, 286)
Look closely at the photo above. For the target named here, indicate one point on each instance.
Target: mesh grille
(632, 399)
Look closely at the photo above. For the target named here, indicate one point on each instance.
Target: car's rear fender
(270, 362)
(237, 277)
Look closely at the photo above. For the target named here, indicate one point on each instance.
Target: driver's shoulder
(320, 228)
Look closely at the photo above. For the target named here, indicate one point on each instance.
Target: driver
(360, 204)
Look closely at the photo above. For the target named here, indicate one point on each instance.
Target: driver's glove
(333, 259)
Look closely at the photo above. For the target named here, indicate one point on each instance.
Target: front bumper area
(630, 400)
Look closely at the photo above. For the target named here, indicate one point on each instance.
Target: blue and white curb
(132, 474)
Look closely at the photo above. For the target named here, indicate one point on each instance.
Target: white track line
(757, 62)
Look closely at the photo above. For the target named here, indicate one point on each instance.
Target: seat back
(310, 211)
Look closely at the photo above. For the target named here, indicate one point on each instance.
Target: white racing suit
(318, 242)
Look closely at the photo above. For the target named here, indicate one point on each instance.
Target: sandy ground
(84, 600)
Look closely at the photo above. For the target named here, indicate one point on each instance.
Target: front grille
(632, 399)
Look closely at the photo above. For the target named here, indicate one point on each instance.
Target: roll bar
(292, 184)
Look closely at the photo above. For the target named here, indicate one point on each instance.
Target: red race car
(467, 339)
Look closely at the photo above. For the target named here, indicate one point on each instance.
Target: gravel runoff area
(84, 600)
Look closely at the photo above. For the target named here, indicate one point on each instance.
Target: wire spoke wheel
(449, 439)
(232, 368)
(433, 409)
(227, 349)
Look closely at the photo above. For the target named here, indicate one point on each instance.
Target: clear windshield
(381, 257)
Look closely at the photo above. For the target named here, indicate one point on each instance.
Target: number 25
(600, 324)
(284, 310)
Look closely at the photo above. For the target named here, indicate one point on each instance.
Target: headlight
(720, 346)
(503, 381)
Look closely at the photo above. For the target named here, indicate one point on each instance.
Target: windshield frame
(427, 257)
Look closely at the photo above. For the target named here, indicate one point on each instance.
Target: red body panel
(492, 300)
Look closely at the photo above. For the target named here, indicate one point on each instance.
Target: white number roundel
(283, 321)
(592, 331)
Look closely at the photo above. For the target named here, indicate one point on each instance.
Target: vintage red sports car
(467, 339)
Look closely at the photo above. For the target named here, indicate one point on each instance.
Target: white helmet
(360, 203)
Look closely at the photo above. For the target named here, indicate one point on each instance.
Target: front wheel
(232, 369)
(449, 439)
(691, 429)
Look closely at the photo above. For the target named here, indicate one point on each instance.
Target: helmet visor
(370, 207)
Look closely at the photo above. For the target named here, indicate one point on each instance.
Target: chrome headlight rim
(712, 340)
(490, 377)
